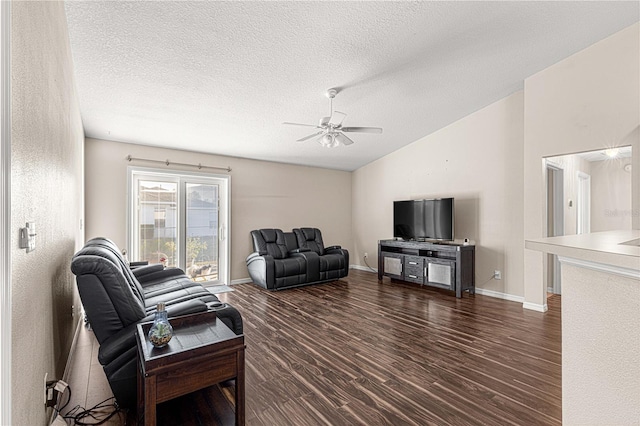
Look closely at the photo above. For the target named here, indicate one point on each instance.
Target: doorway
(583, 204)
(555, 221)
(585, 192)
(181, 219)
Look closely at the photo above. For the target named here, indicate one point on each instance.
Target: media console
(449, 266)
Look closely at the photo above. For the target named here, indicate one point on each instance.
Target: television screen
(423, 219)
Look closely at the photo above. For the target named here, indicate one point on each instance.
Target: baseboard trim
(535, 307)
(241, 281)
(72, 350)
(67, 368)
(363, 268)
(499, 295)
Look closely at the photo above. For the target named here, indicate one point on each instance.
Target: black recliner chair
(279, 261)
(334, 260)
(116, 299)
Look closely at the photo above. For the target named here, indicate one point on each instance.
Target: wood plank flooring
(356, 351)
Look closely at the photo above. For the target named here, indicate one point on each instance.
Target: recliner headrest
(310, 238)
(271, 242)
(269, 235)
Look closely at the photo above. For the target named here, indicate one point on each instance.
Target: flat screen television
(423, 219)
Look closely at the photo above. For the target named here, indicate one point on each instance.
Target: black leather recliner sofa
(290, 259)
(117, 298)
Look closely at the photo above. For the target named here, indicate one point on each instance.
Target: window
(180, 219)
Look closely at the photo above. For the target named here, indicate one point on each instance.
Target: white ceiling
(221, 77)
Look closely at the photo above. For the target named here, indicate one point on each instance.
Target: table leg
(150, 401)
(139, 394)
(240, 389)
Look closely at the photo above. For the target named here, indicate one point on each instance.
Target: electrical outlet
(497, 274)
(366, 255)
(73, 311)
(51, 392)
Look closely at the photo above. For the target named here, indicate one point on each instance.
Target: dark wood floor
(357, 351)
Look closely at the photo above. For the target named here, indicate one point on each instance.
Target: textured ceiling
(221, 77)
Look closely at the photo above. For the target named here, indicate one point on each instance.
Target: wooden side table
(202, 353)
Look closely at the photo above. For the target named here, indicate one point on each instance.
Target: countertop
(600, 247)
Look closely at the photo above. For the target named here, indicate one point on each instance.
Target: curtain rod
(129, 158)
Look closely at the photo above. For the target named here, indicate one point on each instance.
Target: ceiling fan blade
(309, 137)
(343, 139)
(300, 124)
(362, 129)
(336, 118)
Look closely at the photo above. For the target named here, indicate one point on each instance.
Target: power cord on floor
(366, 263)
(67, 391)
(482, 284)
(96, 415)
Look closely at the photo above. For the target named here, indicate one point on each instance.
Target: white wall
(610, 195)
(263, 195)
(46, 187)
(571, 165)
(478, 161)
(586, 102)
(600, 346)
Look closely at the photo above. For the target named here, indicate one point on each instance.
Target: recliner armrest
(137, 264)
(118, 344)
(252, 255)
(187, 307)
(299, 250)
(260, 257)
(162, 274)
(147, 269)
(333, 248)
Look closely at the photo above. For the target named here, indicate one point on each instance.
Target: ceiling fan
(331, 132)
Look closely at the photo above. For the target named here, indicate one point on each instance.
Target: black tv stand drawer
(450, 266)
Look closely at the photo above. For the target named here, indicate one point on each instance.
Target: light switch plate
(28, 237)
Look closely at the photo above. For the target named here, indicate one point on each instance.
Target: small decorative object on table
(161, 331)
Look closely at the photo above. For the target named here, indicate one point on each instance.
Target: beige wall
(586, 102)
(46, 187)
(610, 195)
(478, 161)
(263, 195)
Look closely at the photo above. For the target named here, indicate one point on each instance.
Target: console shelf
(449, 266)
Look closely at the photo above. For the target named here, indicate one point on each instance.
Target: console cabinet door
(392, 264)
(441, 273)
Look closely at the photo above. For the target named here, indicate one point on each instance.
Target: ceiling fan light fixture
(329, 140)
